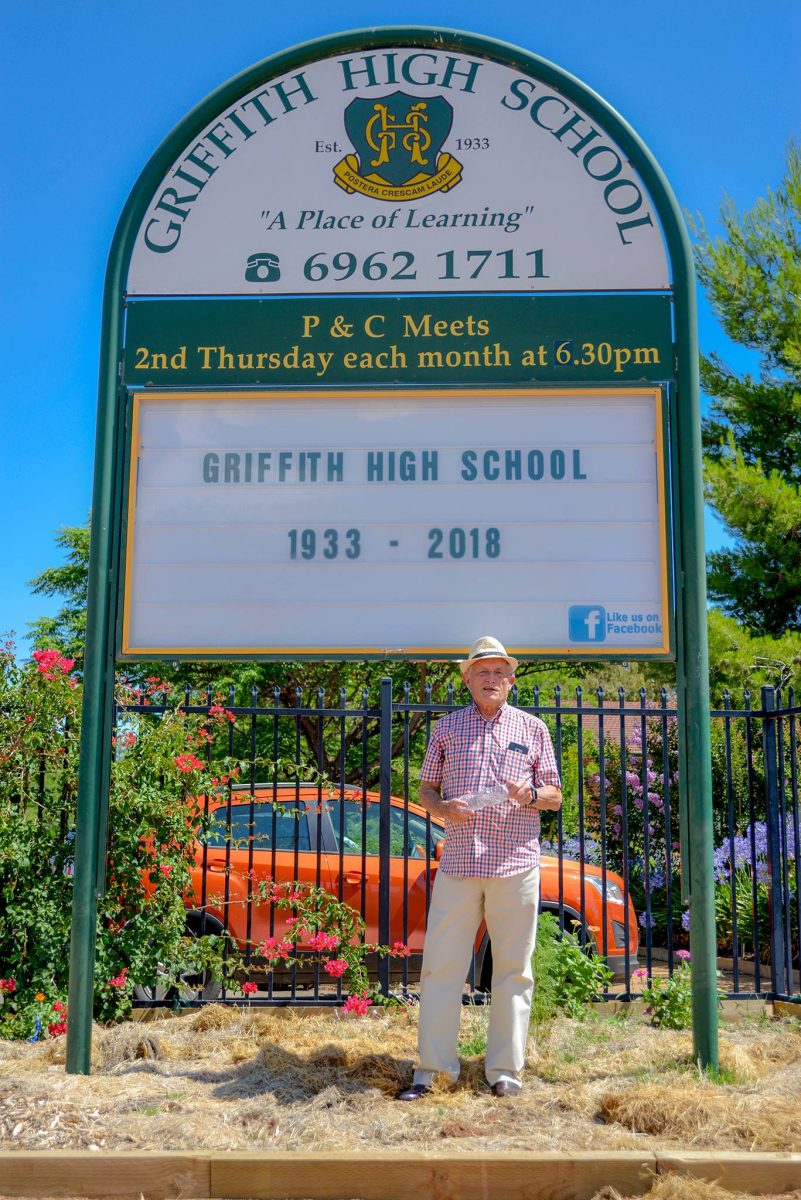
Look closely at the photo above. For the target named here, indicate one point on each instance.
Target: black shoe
(502, 1088)
(415, 1092)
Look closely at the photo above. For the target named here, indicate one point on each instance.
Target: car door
(351, 830)
(255, 842)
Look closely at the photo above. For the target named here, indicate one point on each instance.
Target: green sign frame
(110, 472)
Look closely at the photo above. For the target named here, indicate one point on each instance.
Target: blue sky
(91, 88)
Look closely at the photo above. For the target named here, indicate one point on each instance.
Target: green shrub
(163, 758)
(668, 1002)
(567, 977)
(152, 830)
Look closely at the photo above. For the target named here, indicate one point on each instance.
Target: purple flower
(685, 921)
(571, 848)
(683, 954)
(657, 879)
(647, 920)
(748, 851)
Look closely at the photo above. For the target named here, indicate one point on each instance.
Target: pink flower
(217, 710)
(119, 981)
(187, 763)
(48, 661)
(357, 1004)
(249, 988)
(324, 941)
(640, 973)
(336, 967)
(400, 950)
(60, 1007)
(683, 954)
(57, 1029)
(8, 985)
(271, 948)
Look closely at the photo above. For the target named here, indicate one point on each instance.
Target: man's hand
(451, 810)
(456, 810)
(522, 793)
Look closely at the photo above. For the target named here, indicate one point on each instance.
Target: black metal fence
(329, 798)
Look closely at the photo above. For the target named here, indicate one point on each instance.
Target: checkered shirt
(467, 753)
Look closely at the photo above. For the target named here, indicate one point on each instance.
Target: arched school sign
(426, 295)
(408, 159)
(399, 344)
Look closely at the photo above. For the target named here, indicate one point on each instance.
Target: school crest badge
(398, 141)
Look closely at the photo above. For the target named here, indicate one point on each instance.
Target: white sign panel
(400, 170)
(374, 522)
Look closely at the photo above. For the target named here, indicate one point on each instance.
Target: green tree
(752, 437)
(67, 629)
(739, 660)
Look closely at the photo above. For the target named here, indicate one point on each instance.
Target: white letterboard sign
(370, 522)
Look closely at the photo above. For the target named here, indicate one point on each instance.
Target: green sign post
(385, 273)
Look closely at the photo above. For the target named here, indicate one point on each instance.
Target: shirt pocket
(519, 761)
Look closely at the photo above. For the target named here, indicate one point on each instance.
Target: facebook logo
(586, 623)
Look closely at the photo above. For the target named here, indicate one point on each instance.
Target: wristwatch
(533, 796)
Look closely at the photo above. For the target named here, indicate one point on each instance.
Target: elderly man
(489, 867)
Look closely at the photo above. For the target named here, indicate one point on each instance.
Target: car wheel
(192, 986)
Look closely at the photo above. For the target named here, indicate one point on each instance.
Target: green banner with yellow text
(336, 340)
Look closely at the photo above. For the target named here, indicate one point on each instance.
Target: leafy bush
(152, 829)
(567, 978)
(668, 1002)
(333, 929)
(39, 718)
(163, 758)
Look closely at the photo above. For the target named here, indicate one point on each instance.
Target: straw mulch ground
(680, 1187)
(225, 1079)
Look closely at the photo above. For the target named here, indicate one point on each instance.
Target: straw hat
(487, 647)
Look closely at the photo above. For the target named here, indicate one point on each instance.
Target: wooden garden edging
(290, 1175)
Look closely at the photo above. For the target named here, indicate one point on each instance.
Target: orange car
(330, 839)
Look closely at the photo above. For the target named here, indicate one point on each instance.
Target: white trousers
(458, 903)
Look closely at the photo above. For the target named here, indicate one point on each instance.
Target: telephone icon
(262, 268)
